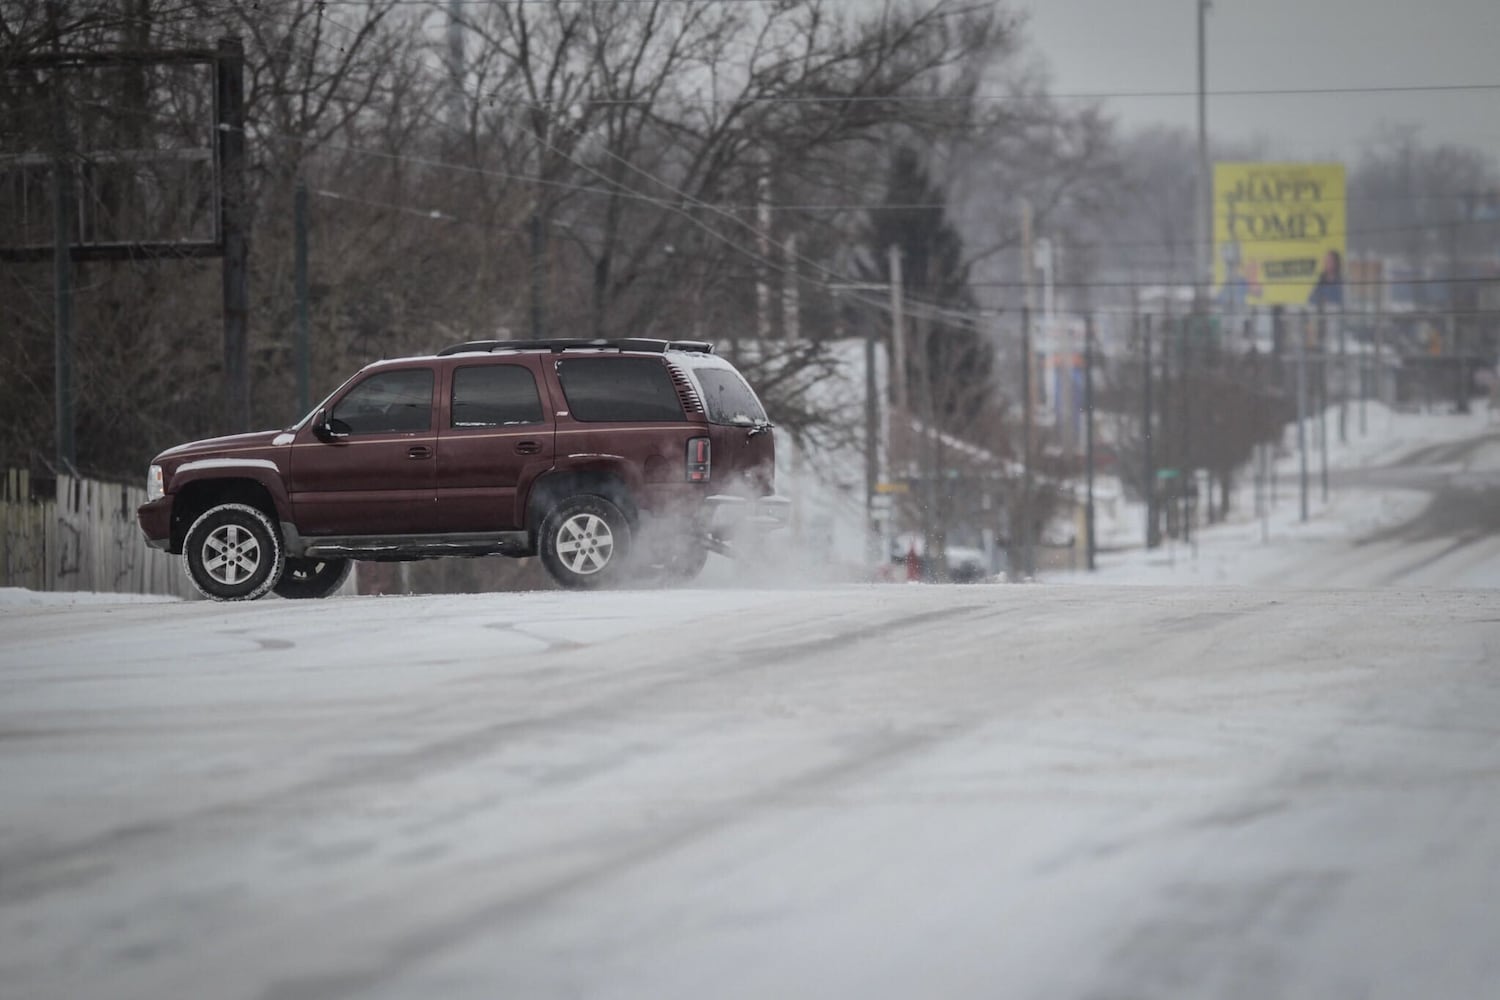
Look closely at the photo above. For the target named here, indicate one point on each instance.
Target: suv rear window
(495, 396)
(727, 396)
(619, 389)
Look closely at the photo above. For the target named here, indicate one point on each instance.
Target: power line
(916, 306)
(1479, 195)
(1096, 95)
(935, 312)
(440, 4)
(931, 311)
(620, 189)
(1465, 279)
(1387, 313)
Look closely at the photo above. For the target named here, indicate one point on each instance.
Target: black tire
(668, 551)
(233, 553)
(685, 563)
(306, 577)
(585, 542)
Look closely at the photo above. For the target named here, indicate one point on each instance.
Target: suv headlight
(155, 488)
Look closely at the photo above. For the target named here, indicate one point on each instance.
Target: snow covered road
(853, 792)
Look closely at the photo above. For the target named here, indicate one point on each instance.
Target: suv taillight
(699, 460)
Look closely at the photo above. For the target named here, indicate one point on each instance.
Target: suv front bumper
(155, 518)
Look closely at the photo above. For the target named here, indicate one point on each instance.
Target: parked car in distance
(608, 459)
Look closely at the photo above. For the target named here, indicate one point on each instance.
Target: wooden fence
(84, 538)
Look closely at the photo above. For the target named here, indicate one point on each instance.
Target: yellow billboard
(1279, 234)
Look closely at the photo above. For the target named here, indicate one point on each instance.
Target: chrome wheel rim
(585, 544)
(231, 554)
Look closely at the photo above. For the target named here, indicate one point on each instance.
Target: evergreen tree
(948, 361)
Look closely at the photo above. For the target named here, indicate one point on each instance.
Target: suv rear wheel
(233, 553)
(308, 577)
(584, 542)
(686, 564)
(673, 564)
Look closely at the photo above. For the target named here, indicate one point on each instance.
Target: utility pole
(1338, 319)
(1301, 334)
(1323, 398)
(62, 261)
(230, 87)
(1169, 505)
(1204, 209)
(898, 329)
(1256, 379)
(1027, 568)
(872, 447)
(1184, 359)
(1088, 433)
(538, 230)
(1026, 441)
(1451, 334)
(790, 310)
(791, 305)
(1378, 379)
(304, 366)
(456, 99)
(1153, 536)
(763, 246)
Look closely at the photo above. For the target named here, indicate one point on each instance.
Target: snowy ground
(1105, 792)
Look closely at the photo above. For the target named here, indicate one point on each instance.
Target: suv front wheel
(584, 542)
(233, 553)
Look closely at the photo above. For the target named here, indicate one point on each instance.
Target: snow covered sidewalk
(1383, 523)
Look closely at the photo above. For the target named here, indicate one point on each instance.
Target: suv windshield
(728, 397)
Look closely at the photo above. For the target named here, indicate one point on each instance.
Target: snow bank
(13, 598)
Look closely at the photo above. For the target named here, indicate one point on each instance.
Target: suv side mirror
(329, 428)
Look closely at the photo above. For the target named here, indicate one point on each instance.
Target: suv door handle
(420, 451)
(528, 448)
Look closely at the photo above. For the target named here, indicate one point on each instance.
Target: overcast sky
(1133, 45)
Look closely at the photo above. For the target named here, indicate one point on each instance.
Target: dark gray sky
(1115, 45)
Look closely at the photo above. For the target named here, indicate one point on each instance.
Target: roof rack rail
(575, 344)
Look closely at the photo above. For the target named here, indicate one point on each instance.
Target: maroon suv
(603, 457)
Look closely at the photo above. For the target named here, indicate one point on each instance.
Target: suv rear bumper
(763, 513)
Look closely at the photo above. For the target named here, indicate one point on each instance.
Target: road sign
(892, 487)
(1167, 473)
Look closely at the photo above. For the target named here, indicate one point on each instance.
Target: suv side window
(619, 389)
(389, 403)
(495, 396)
(727, 397)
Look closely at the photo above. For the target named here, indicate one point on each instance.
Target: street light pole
(1088, 441)
(898, 329)
(1027, 261)
(1203, 239)
(1153, 538)
(1301, 326)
